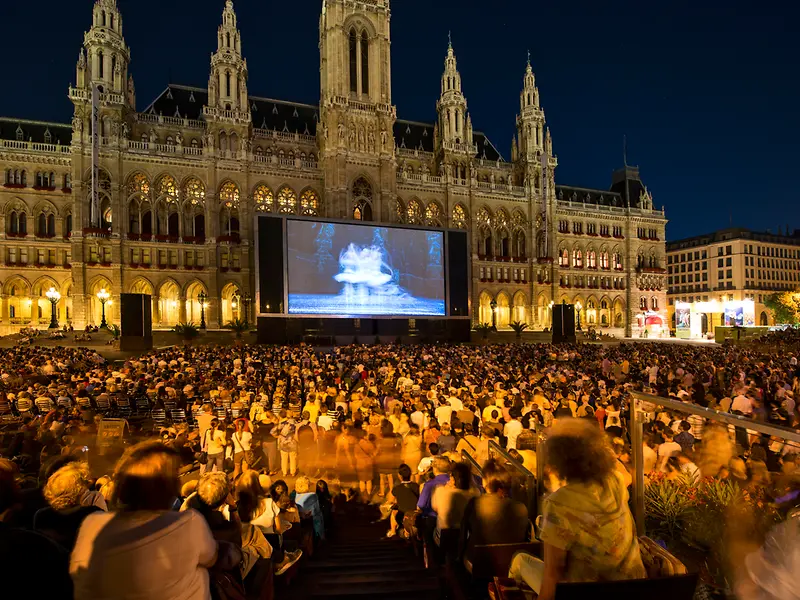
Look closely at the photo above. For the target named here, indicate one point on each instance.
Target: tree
(519, 327)
(238, 327)
(784, 306)
(188, 331)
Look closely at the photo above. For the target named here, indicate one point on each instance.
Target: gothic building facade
(181, 180)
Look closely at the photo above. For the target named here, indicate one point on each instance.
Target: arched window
(364, 63)
(287, 201)
(591, 259)
(194, 192)
(362, 200)
(353, 61)
(100, 65)
(12, 222)
(459, 217)
(22, 224)
(113, 63)
(228, 84)
(263, 198)
(41, 225)
(643, 303)
(433, 215)
(604, 260)
(229, 195)
(309, 203)
(68, 226)
(414, 212)
(577, 259)
(654, 303)
(563, 258)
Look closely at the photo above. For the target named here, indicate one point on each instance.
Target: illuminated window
(362, 200)
(414, 212)
(167, 187)
(459, 217)
(195, 192)
(483, 217)
(287, 201)
(433, 215)
(309, 203)
(229, 195)
(501, 219)
(139, 185)
(399, 211)
(591, 259)
(264, 200)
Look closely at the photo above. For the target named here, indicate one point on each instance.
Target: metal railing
(637, 439)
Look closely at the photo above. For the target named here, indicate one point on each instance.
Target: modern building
(732, 266)
(181, 178)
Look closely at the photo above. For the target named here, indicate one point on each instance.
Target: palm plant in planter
(238, 326)
(484, 329)
(519, 327)
(188, 331)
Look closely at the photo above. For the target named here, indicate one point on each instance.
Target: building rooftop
(39, 132)
(735, 233)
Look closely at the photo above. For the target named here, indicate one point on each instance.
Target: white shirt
(324, 421)
(444, 414)
(512, 430)
(214, 442)
(241, 441)
(266, 520)
(743, 404)
(137, 556)
(650, 458)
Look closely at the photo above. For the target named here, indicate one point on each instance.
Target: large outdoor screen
(359, 270)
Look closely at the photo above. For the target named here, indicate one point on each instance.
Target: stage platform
(341, 332)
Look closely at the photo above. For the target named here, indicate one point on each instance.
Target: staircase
(356, 563)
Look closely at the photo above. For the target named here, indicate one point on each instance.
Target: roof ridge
(585, 189)
(32, 122)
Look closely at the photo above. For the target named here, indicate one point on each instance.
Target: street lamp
(54, 297)
(201, 298)
(236, 302)
(246, 299)
(104, 297)
(493, 306)
(578, 309)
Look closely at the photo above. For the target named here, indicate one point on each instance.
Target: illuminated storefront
(695, 320)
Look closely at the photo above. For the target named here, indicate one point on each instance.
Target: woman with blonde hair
(176, 548)
(411, 452)
(70, 498)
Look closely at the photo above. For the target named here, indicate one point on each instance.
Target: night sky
(706, 92)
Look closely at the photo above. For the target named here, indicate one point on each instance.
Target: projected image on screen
(358, 270)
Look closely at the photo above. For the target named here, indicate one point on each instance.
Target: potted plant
(238, 326)
(484, 329)
(188, 331)
(519, 327)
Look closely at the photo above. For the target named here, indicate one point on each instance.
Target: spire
(227, 84)
(455, 124)
(104, 57)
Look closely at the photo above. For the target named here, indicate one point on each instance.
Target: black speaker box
(137, 322)
(563, 323)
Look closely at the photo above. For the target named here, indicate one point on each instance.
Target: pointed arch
(460, 217)
(17, 285)
(399, 215)
(229, 194)
(362, 199)
(485, 308)
(263, 198)
(433, 214)
(520, 310)
(141, 285)
(414, 212)
(137, 184)
(286, 201)
(310, 203)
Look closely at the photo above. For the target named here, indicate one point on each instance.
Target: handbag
(250, 456)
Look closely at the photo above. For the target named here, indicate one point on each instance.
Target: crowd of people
(272, 427)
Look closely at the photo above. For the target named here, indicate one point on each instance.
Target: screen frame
(285, 312)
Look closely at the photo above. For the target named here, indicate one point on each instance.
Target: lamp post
(246, 299)
(236, 303)
(54, 297)
(201, 298)
(493, 306)
(578, 308)
(104, 297)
